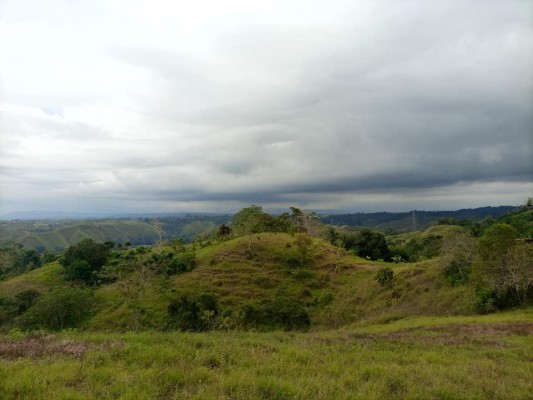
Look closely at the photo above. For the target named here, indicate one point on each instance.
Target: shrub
(25, 300)
(458, 255)
(485, 300)
(385, 276)
(171, 263)
(367, 243)
(60, 308)
(279, 313)
(193, 313)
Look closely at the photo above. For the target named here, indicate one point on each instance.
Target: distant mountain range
(412, 220)
(55, 234)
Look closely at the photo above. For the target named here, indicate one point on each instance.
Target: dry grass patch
(39, 346)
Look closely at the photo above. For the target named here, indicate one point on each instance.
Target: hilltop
(335, 287)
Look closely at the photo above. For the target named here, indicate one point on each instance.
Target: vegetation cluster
(291, 260)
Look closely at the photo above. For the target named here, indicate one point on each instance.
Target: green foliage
(16, 260)
(252, 220)
(506, 265)
(60, 308)
(384, 276)
(24, 301)
(367, 243)
(224, 232)
(332, 236)
(493, 245)
(458, 256)
(80, 270)
(485, 300)
(276, 313)
(423, 248)
(193, 313)
(49, 257)
(172, 263)
(84, 260)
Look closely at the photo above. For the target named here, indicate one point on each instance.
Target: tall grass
(479, 358)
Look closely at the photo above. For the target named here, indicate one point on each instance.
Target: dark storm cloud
(377, 97)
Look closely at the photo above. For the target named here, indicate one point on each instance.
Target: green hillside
(415, 335)
(335, 287)
(55, 236)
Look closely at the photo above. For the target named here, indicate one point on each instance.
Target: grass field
(482, 357)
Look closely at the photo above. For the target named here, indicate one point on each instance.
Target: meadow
(267, 315)
(476, 357)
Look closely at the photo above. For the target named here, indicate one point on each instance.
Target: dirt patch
(47, 345)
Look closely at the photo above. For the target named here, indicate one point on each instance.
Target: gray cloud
(323, 110)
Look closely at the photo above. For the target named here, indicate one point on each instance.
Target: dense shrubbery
(366, 243)
(16, 260)
(172, 263)
(60, 308)
(458, 256)
(193, 313)
(84, 260)
(277, 313)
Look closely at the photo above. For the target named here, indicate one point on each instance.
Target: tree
(368, 243)
(516, 277)
(84, 260)
(332, 235)
(223, 232)
(297, 219)
(496, 241)
(15, 259)
(458, 254)
(506, 265)
(252, 220)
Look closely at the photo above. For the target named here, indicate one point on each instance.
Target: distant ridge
(412, 220)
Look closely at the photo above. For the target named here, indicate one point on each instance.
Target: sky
(111, 106)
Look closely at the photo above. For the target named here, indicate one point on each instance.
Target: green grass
(415, 339)
(337, 288)
(485, 357)
(41, 279)
(55, 236)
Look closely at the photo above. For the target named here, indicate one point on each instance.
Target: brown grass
(39, 346)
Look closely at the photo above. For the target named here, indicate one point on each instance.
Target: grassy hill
(417, 338)
(56, 235)
(336, 288)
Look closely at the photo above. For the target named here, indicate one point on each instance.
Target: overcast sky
(209, 105)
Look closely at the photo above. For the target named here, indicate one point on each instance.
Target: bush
(60, 308)
(385, 276)
(193, 313)
(367, 243)
(24, 301)
(279, 313)
(182, 262)
(16, 260)
(485, 300)
(458, 255)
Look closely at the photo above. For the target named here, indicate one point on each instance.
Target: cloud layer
(163, 105)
